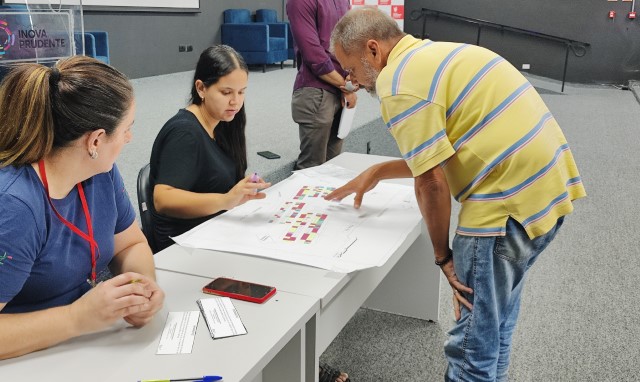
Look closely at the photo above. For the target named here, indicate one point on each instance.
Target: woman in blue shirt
(66, 222)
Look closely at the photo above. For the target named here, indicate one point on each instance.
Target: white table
(408, 284)
(272, 350)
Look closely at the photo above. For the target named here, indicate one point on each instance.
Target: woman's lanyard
(87, 216)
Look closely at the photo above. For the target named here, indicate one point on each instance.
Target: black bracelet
(446, 259)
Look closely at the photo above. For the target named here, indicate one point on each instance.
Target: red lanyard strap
(85, 207)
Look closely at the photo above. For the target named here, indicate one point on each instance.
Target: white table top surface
(123, 353)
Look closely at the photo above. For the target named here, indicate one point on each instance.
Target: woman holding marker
(199, 158)
(66, 222)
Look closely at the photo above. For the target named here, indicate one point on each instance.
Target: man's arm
(434, 200)
(369, 178)
(334, 78)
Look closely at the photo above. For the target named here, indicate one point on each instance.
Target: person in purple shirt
(319, 91)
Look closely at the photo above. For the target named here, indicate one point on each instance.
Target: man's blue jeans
(495, 268)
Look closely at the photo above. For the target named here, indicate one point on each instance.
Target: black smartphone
(240, 290)
(268, 154)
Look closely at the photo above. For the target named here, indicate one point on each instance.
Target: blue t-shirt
(43, 263)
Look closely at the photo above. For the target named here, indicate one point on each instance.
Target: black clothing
(184, 156)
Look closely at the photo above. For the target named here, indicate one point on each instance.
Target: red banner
(397, 12)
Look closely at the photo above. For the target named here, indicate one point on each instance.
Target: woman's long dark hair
(216, 62)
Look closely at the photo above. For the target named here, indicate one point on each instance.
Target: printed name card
(221, 317)
(179, 333)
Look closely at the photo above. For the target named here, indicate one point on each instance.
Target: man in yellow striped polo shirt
(468, 124)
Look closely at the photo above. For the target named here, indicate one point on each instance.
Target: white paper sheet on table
(294, 223)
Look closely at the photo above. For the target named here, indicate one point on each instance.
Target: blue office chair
(96, 45)
(257, 43)
(145, 205)
(270, 16)
(102, 45)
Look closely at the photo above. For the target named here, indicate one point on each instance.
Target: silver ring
(455, 291)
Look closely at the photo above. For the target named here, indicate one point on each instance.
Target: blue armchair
(258, 43)
(270, 16)
(96, 45)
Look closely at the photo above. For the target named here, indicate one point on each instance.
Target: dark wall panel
(614, 55)
(146, 44)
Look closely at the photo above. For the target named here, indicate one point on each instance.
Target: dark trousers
(317, 113)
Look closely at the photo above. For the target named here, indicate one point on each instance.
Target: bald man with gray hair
(360, 25)
(468, 125)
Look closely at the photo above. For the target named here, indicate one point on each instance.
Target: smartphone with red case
(240, 290)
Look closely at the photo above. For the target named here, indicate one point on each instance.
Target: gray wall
(614, 55)
(146, 44)
(143, 44)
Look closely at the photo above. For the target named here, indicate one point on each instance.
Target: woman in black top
(199, 158)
